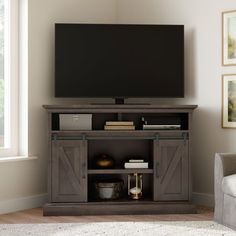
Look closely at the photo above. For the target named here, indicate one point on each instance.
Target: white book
(143, 165)
(136, 160)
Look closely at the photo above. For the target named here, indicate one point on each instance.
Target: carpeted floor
(159, 228)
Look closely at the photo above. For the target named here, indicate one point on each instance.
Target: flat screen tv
(119, 60)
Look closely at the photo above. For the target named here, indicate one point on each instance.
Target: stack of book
(119, 125)
(136, 164)
(152, 124)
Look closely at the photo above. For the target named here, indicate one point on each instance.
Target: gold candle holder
(135, 186)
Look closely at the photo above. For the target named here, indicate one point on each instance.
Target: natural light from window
(13, 78)
(8, 77)
(2, 79)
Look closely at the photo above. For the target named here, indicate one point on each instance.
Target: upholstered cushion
(229, 185)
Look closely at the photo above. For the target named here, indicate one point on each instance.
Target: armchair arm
(225, 164)
(228, 162)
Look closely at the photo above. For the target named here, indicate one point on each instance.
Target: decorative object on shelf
(136, 160)
(75, 121)
(155, 123)
(135, 186)
(136, 163)
(229, 101)
(109, 189)
(161, 127)
(119, 125)
(104, 161)
(229, 38)
(125, 123)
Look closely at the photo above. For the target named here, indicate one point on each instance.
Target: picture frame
(229, 38)
(229, 101)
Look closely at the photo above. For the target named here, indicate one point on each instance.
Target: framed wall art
(229, 38)
(229, 101)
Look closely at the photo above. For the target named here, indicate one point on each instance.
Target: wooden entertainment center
(167, 186)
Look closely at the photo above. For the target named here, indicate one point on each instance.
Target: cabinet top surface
(119, 107)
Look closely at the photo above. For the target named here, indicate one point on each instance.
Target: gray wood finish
(120, 108)
(171, 170)
(69, 171)
(116, 107)
(119, 133)
(125, 208)
(49, 182)
(190, 121)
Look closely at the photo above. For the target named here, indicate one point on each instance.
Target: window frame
(11, 79)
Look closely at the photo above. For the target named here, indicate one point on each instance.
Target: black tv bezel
(120, 96)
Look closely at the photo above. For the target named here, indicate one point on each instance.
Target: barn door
(69, 171)
(171, 175)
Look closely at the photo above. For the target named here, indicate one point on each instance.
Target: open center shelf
(119, 171)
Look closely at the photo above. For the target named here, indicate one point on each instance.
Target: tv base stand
(117, 104)
(120, 101)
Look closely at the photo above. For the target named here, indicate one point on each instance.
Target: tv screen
(114, 60)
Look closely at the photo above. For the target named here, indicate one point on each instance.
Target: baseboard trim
(203, 199)
(19, 204)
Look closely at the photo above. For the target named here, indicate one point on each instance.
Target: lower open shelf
(125, 199)
(118, 208)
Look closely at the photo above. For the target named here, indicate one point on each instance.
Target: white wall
(28, 178)
(41, 57)
(202, 20)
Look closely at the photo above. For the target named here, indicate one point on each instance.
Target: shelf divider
(120, 171)
(113, 137)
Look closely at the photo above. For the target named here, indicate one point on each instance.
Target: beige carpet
(159, 228)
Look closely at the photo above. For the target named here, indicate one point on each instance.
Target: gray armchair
(225, 189)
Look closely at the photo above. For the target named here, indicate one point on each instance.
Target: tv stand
(167, 187)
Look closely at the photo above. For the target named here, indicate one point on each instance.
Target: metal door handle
(157, 170)
(83, 170)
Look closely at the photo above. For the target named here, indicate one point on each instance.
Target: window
(2, 90)
(8, 77)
